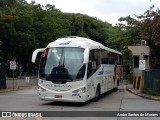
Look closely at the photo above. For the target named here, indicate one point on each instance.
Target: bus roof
(74, 41)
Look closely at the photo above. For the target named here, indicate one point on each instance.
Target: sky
(105, 10)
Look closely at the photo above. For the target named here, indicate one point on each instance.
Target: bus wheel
(116, 89)
(97, 94)
(118, 82)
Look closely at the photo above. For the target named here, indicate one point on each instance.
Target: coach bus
(77, 69)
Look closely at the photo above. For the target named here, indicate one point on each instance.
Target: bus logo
(66, 43)
(101, 72)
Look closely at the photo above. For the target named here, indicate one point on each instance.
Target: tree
(0, 50)
(145, 27)
(26, 27)
(150, 31)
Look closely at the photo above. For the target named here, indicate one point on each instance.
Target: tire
(118, 82)
(97, 94)
(116, 89)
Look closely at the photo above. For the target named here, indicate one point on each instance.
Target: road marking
(24, 119)
(38, 118)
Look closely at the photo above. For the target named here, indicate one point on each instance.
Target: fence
(2, 76)
(152, 79)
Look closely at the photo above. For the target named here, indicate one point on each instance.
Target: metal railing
(152, 79)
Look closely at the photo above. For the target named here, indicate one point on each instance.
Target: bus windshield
(62, 64)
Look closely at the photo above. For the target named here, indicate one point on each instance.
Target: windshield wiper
(61, 81)
(43, 78)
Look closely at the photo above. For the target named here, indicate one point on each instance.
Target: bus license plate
(57, 96)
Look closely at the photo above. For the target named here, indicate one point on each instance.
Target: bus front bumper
(62, 96)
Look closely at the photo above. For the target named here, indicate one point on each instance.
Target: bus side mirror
(34, 55)
(86, 56)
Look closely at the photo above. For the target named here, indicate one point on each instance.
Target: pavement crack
(120, 107)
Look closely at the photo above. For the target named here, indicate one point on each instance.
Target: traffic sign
(142, 64)
(13, 65)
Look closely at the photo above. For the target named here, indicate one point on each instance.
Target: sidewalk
(138, 92)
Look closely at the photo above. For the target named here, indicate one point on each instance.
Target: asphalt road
(122, 100)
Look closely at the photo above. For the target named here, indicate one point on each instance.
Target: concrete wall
(137, 50)
(143, 52)
(137, 72)
(21, 82)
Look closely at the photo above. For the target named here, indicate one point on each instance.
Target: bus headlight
(80, 90)
(40, 89)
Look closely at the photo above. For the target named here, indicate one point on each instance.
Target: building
(140, 62)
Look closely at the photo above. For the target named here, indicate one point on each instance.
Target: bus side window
(94, 61)
(104, 60)
(89, 71)
(97, 58)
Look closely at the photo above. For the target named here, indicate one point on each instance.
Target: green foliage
(145, 27)
(7, 3)
(150, 31)
(151, 91)
(25, 27)
(0, 51)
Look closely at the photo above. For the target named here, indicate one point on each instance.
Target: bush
(151, 91)
(128, 77)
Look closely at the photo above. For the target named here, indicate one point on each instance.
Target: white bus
(77, 69)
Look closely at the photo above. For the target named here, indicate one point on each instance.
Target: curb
(144, 95)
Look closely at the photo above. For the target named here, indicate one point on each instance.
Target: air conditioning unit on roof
(143, 42)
